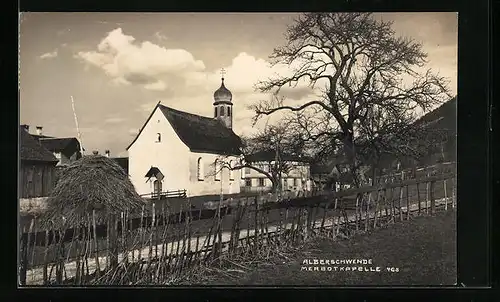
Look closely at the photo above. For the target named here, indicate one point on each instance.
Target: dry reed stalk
(453, 188)
(178, 242)
(189, 235)
(125, 248)
(418, 199)
(401, 190)
(427, 189)
(96, 249)
(256, 223)
(45, 280)
(151, 233)
(357, 212)
(323, 219)
(407, 202)
(141, 235)
(60, 258)
(78, 232)
(279, 230)
(392, 205)
(249, 218)
(197, 248)
(33, 230)
(292, 227)
(377, 209)
(445, 195)
(433, 200)
(150, 239)
(23, 265)
(164, 238)
(233, 230)
(367, 213)
(184, 242)
(335, 227)
(132, 238)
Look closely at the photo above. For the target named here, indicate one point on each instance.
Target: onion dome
(223, 94)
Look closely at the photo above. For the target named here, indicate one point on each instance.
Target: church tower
(223, 106)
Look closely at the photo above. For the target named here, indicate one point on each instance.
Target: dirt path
(423, 250)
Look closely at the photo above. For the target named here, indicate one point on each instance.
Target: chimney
(95, 152)
(26, 127)
(107, 153)
(39, 130)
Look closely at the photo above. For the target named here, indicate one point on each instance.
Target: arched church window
(221, 111)
(215, 112)
(158, 137)
(199, 171)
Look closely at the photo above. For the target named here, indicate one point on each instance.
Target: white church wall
(170, 155)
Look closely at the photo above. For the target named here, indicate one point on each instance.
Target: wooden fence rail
(163, 245)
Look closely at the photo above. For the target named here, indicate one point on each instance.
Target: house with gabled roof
(65, 149)
(176, 150)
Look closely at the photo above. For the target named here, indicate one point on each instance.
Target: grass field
(423, 249)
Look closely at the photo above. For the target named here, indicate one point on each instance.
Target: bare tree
(270, 152)
(365, 68)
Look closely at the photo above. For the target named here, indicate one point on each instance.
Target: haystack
(91, 183)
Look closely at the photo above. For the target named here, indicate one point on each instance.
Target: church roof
(200, 133)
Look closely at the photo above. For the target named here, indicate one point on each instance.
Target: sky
(117, 66)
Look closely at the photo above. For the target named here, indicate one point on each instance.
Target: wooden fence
(163, 246)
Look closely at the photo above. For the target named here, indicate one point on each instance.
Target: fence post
(113, 241)
(433, 200)
(23, 259)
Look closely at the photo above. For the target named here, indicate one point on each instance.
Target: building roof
(270, 155)
(60, 144)
(153, 171)
(122, 162)
(200, 133)
(443, 117)
(31, 150)
(36, 136)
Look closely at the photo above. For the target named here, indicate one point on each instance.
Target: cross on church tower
(222, 73)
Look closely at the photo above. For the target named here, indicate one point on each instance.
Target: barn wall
(36, 179)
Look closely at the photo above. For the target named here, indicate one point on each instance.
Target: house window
(248, 182)
(262, 182)
(285, 184)
(295, 182)
(158, 137)
(231, 171)
(218, 169)
(228, 111)
(199, 172)
(247, 171)
(221, 111)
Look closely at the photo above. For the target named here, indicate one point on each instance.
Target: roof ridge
(186, 113)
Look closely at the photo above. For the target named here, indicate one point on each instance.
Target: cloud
(49, 55)
(114, 120)
(126, 61)
(158, 86)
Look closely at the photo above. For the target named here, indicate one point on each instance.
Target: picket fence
(163, 246)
